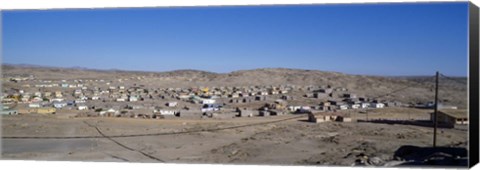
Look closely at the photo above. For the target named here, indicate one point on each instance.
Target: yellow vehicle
(205, 90)
(46, 110)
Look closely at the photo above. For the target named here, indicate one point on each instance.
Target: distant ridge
(191, 71)
(7, 65)
(419, 86)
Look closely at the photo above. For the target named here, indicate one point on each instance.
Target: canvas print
(317, 85)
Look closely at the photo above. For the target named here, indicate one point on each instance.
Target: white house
(37, 99)
(293, 108)
(377, 105)
(210, 107)
(77, 92)
(167, 112)
(171, 104)
(305, 107)
(208, 101)
(183, 96)
(120, 99)
(25, 98)
(343, 107)
(365, 105)
(34, 105)
(80, 101)
(39, 94)
(112, 111)
(133, 99)
(82, 107)
(355, 106)
(263, 93)
(59, 104)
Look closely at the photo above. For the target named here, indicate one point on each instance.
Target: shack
(451, 117)
(190, 114)
(264, 113)
(327, 117)
(244, 112)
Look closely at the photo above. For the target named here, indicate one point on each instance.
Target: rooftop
(456, 113)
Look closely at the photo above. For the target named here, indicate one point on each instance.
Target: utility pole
(435, 123)
(366, 113)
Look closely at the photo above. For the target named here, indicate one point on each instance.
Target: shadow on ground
(430, 156)
(422, 123)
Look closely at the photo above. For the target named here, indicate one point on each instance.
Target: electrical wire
(151, 134)
(395, 91)
(454, 79)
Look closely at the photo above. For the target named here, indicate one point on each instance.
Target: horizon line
(214, 72)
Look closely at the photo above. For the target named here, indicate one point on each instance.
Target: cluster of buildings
(102, 96)
(124, 98)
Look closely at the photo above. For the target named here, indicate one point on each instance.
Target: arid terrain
(373, 137)
(291, 142)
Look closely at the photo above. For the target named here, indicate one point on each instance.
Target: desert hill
(409, 89)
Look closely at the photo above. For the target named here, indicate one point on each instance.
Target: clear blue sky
(374, 39)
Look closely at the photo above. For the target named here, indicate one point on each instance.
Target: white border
(52, 165)
(87, 4)
(63, 4)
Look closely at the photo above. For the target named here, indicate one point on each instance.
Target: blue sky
(373, 39)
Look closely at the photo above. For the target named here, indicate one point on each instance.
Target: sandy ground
(291, 142)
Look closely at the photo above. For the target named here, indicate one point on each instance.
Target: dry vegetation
(290, 142)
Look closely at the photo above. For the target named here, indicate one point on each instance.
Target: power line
(151, 134)
(396, 90)
(122, 145)
(453, 79)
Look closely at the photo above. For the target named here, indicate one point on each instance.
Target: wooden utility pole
(435, 123)
(366, 113)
